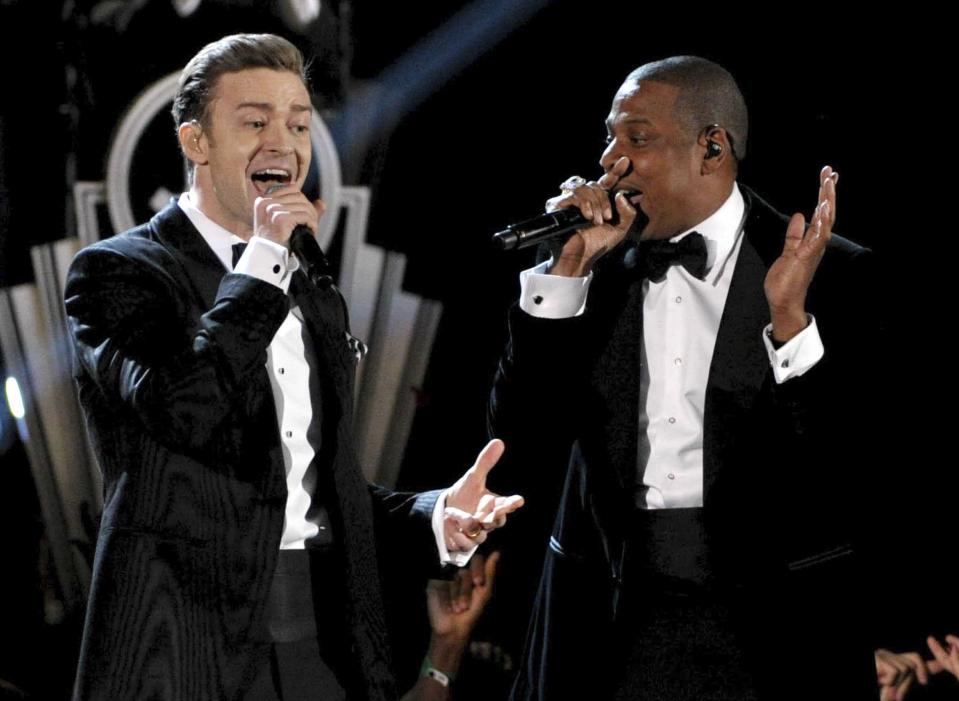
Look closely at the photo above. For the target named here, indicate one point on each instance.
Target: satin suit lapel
(202, 268)
(325, 320)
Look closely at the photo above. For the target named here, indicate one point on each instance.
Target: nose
(611, 154)
(277, 138)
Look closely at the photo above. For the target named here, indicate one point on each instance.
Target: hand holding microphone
(287, 217)
(600, 222)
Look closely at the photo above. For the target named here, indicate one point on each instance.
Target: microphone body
(304, 246)
(540, 228)
(553, 225)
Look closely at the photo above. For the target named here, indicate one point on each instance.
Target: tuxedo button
(678, 361)
(784, 364)
(289, 434)
(671, 476)
(672, 419)
(538, 299)
(282, 371)
(679, 299)
(276, 268)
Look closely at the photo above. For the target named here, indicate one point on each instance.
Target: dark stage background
(486, 148)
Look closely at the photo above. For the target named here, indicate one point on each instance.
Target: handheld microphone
(308, 252)
(552, 225)
(304, 246)
(541, 228)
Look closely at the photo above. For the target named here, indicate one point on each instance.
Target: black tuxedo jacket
(171, 372)
(783, 469)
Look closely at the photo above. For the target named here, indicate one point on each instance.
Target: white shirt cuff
(797, 355)
(552, 296)
(446, 558)
(268, 261)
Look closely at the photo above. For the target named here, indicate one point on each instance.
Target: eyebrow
(269, 107)
(631, 120)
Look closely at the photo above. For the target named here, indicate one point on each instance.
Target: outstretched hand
(788, 280)
(897, 672)
(945, 660)
(471, 509)
(454, 606)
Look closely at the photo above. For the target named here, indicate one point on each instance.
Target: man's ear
(193, 142)
(716, 148)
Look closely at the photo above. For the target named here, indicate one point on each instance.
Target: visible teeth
(630, 194)
(272, 174)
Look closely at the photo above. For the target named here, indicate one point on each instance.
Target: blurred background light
(14, 398)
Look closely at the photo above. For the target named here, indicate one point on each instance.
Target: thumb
(626, 212)
(794, 233)
(488, 457)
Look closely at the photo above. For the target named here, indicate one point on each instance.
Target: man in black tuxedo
(705, 371)
(237, 556)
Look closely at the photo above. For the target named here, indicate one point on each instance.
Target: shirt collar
(216, 237)
(720, 230)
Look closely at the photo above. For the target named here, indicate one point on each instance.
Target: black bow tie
(655, 257)
(238, 249)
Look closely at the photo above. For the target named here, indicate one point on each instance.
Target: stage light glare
(14, 398)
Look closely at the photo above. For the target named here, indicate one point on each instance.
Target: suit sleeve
(126, 315)
(851, 333)
(538, 397)
(404, 532)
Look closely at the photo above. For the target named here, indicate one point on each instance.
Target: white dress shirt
(681, 317)
(289, 374)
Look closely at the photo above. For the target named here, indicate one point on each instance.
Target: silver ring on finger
(571, 183)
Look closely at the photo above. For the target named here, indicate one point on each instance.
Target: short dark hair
(708, 94)
(230, 54)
